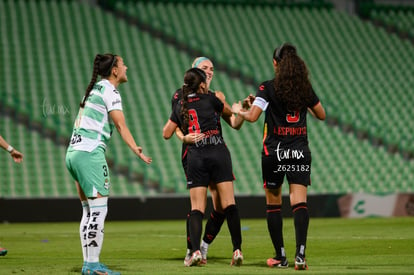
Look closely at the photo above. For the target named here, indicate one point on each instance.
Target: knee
(226, 203)
(273, 196)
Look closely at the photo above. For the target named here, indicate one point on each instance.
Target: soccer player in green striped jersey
(100, 112)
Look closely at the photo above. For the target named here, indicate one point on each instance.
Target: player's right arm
(226, 112)
(169, 129)
(189, 138)
(236, 122)
(251, 115)
(179, 134)
(258, 106)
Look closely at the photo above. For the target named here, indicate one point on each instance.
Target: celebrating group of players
(196, 120)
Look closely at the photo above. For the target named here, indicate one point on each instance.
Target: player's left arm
(318, 111)
(118, 118)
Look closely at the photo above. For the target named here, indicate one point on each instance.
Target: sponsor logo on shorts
(189, 182)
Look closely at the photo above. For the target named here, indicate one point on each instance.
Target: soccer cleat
(273, 262)
(300, 263)
(84, 267)
(3, 251)
(195, 259)
(97, 269)
(203, 251)
(187, 256)
(237, 259)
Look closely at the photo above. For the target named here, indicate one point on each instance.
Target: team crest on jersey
(261, 87)
(115, 91)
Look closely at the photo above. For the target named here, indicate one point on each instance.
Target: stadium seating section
(399, 18)
(361, 72)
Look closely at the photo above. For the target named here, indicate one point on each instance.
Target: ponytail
(184, 107)
(95, 73)
(102, 65)
(192, 79)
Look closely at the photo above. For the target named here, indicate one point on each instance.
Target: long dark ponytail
(292, 84)
(102, 65)
(192, 80)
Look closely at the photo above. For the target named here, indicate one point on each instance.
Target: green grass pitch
(335, 246)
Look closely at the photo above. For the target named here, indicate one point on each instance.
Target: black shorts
(208, 165)
(296, 170)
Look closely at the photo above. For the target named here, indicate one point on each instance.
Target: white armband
(261, 103)
(10, 149)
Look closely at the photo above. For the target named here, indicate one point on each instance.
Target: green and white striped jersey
(93, 126)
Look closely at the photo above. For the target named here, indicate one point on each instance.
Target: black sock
(233, 222)
(275, 227)
(189, 246)
(301, 219)
(196, 224)
(213, 226)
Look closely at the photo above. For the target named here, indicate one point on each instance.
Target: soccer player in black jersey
(216, 218)
(286, 99)
(208, 160)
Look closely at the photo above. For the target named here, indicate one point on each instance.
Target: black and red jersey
(175, 99)
(177, 96)
(204, 114)
(282, 128)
